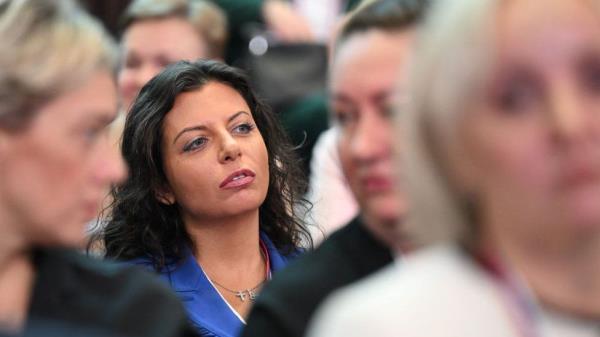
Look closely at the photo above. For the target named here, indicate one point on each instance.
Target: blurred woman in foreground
(503, 165)
(57, 97)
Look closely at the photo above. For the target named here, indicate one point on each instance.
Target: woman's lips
(577, 176)
(238, 179)
(375, 184)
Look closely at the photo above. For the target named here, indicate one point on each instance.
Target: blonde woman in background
(57, 97)
(157, 33)
(503, 166)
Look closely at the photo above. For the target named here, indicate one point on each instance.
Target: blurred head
(504, 133)
(55, 160)
(370, 58)
(191, 128)
(160, 32)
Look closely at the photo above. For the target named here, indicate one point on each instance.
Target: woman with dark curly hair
(211, 199)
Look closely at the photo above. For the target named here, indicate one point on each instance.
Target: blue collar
(206, 309)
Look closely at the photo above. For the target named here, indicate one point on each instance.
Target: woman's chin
(385, 209)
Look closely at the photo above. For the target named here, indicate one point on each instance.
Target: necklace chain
(242, 294)
(251, 293)
(521, 307)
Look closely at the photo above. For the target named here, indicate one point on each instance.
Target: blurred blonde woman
(157, 33)
(57, 97)
(503, 164)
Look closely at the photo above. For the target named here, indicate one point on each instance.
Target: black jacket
(286, 305)
(75, 295)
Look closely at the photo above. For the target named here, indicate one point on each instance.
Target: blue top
(207, 310)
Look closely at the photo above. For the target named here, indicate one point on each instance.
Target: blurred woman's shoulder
(78, 290)
(430, 293)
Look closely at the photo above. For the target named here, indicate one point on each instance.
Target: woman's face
(364, 74)
(532, 143)
(214, 157)
(56, 172)
(150, 45)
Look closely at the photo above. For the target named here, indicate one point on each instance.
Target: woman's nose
(570, 113)
(230, 149)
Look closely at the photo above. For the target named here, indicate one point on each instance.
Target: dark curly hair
(139, 225)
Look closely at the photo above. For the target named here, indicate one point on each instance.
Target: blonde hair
(208, 20)
(48, 47)
(453, 57)
(452, 65)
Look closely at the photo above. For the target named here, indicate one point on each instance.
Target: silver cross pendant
(241, 295)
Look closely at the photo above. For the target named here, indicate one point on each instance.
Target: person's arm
(277, 16)
(285, 23)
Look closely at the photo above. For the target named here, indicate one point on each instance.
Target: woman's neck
(228, 246)
(16, 284)
(12, 239)
(563, 273)
(229, 252)
(16, 276)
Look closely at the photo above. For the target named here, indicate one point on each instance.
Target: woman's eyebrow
(202, 127)
(235, 115)
(188, 129)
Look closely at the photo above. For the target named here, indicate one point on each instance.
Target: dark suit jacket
(75, 295)
(287, 303)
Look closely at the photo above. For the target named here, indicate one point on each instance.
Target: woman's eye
(516, 97)
(589, 72)
(132, 63)
(91, 134)
(244, 128)
(344, 117)
(163, 61)
(194, 144)
(388, 110)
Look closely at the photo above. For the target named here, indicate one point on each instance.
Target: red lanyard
(265, 252)
(521, 308)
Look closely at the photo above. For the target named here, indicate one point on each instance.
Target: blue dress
(207, 310)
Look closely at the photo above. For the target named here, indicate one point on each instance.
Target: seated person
(376, 40)
(57, 97)
(210, 200)
(157, 33)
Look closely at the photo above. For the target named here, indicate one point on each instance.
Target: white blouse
(439, 292)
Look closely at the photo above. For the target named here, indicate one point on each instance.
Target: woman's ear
(165, 196)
